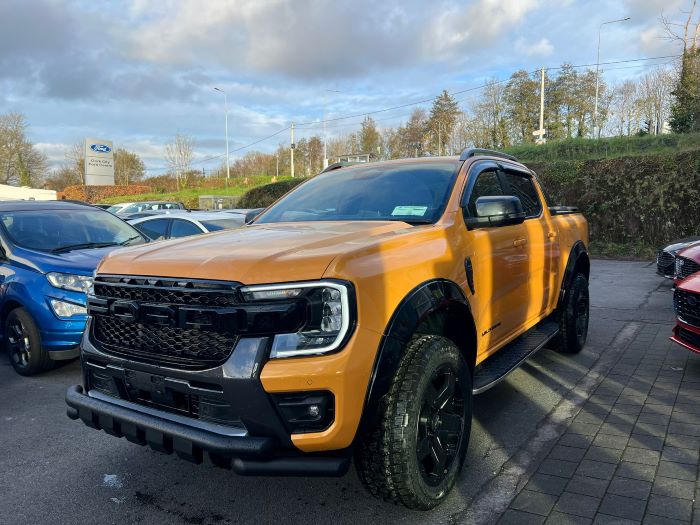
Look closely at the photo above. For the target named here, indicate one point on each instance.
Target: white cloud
(541, 48)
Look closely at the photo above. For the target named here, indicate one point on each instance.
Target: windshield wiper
(124, 243)
(82, 246)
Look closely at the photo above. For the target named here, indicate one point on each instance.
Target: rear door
(542, 246)
(154, 229)
(183, 228)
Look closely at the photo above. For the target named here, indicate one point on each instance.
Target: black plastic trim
(64, 355)
(578, 250)
(422, 301)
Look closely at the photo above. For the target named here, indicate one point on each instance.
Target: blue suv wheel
(23, 344)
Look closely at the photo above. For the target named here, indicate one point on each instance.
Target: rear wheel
(23, 344)
(415, 453)
(573, 317)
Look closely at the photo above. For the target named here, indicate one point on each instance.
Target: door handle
(520, 242)
(551, 235)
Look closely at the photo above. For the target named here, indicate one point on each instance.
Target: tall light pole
(597, 74)
(325, 151)
(228, 173)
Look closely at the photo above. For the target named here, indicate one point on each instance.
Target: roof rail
(338, 165)
(473, 152)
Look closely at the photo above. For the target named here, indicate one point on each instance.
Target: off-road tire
(387, 456)
(23, 344)
(573, 316)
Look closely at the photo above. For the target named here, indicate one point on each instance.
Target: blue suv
(48, 253)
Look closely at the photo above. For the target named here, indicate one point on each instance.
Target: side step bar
(497, 367)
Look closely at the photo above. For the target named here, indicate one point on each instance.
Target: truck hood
(254, 254)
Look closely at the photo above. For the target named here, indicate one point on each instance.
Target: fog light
(65, 309)
(306, 411)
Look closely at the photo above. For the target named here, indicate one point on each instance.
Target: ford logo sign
(100, 148)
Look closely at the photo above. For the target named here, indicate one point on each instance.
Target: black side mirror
(501, 210)
(252, 214)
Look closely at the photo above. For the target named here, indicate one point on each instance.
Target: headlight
(69, 281)
(64, 309)
(328, 316)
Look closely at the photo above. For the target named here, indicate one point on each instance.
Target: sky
(137, 72)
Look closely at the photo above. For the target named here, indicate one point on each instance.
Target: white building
(11, 193)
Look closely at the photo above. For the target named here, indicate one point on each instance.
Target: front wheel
(23, 344)
(573, 317)
(415, 453)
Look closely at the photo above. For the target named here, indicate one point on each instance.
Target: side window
(523, 188)
(182, 228)
(487, 185)
(154, 229)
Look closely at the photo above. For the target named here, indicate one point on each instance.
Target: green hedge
(630, 200)
(263, 196)
(582, 148)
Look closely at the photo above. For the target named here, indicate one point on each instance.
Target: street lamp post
(325, 140)
(597, 74)
(228, 173)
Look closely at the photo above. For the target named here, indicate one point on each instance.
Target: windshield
(414, 193)
(115, 208)
(59, 231)
(222, 224)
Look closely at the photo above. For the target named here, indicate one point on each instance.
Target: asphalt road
(56, 470)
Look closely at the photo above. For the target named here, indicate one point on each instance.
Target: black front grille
(166, 291)
(185, 324)
(689, 337)
(687, 305)
(686, 267)
(664, 263)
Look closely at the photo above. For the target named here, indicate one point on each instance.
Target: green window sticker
(410, 210)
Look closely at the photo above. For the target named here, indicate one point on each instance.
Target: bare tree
(690, 37)
(20, 162)
(624, 111)
(178, 155)
(655, 97)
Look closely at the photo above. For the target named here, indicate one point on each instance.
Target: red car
(686, 301)
(687, 263)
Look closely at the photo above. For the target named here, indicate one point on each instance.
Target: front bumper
(687, 336)
(247, 455)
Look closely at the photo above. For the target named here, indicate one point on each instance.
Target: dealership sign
(99, 162)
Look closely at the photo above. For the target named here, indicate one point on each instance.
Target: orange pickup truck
(355, 317)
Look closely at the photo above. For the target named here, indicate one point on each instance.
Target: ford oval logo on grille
(100, 148)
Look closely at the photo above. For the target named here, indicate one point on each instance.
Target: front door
(499, 260)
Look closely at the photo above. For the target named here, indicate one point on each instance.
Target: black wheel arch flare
(430, 297)
(579, 262)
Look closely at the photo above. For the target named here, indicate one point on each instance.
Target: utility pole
(277, 167)
(542, 139)
(439, 138)
(226, 130)
(291, 149)
(597, 76)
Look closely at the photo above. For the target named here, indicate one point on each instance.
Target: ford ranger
(354, 318)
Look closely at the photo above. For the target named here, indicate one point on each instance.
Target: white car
(174, 224)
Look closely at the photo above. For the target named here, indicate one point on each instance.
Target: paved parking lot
(607, 435)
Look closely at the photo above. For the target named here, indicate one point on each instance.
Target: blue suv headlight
(69, 281)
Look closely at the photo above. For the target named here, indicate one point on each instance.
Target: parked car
(50, 250)
(182, 224)
(359, 313)
(686, 302)
(666, 257)
(129, 208)
(687, 262)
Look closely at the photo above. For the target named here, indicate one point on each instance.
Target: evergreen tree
(685, 111)
(443, 116)
(369, 139)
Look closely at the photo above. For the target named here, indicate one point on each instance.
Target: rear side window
(154, 229)
(523, 188)
(182, 228)
(487, 185)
